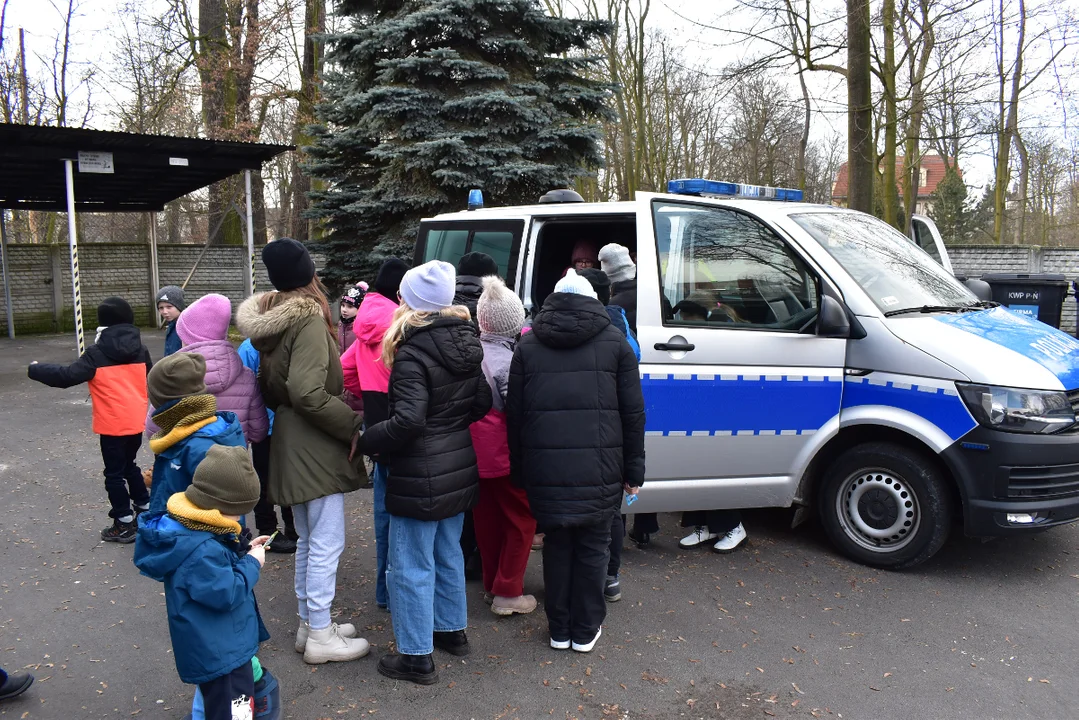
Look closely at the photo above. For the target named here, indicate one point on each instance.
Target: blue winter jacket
(172, 339)
(250, 357)
(209, 594)
(175, 466)
(617, 314)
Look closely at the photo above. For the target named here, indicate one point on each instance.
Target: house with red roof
(931, 172)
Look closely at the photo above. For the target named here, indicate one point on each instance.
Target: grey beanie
(225, 481)
(499, 310)
(173, 295)
(429, 287)
(614, 260)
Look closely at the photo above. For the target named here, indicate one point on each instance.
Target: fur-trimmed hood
(265, 328)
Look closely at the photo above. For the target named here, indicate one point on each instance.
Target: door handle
(675, 346)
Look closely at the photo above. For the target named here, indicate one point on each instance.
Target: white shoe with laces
(560, 644)
(699, 535)
(730, 542)
(347, 630)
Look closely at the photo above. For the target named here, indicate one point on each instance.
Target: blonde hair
(405, 318)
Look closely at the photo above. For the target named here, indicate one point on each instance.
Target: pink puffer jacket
(235, 387)
(362, 362)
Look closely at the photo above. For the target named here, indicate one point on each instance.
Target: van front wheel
(885, 505)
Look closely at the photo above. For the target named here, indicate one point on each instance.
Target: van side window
(720, 268)
(448, 245)
(497, 244)
(924, 239)
(449, 240)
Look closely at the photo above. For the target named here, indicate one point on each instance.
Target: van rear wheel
(885, 505)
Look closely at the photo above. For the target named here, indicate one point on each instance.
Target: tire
(885, 505)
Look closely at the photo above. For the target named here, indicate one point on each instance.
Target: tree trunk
(891, 122)
(300, 227)
(1024, 184)
(1008, 119)
(861, 153)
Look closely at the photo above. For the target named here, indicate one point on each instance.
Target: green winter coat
(300, 378)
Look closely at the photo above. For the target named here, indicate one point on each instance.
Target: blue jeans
(382, 532)
(426, 578)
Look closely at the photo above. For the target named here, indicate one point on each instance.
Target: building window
(923, 177)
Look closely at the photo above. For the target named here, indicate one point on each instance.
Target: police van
(831, 364)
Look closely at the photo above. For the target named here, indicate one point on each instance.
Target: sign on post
(96, 162)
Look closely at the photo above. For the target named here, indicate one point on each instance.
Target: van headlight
(1016, 410)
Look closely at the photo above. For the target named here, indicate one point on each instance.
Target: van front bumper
(1015, 483)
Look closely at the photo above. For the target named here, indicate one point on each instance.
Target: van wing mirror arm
(837, 321)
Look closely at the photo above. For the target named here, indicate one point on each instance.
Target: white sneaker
(560, 644)
(699, 535)
(587, 647)
(347, 630)
(730, 542)
(327, 645)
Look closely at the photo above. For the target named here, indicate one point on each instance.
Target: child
(265, 515)
(203, 328)
(504, 524)
(350, 303)
(115, 369)
(575, 401)
(170, 303)
(195, 548)
(189, 421)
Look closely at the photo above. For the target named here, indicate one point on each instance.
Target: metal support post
(7, 276)
(250, 238)
(73, 246)
(155, 278)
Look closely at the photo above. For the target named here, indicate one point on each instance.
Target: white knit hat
(614, 260)
(429, 287)
(575, 284)
(499, 310)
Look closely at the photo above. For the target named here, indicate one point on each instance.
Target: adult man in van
(614, 259)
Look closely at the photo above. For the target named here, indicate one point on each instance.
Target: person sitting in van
(584, 256)
(615, 260)
(575, 401)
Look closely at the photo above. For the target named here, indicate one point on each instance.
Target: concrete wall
(40, 277)
(976, 260)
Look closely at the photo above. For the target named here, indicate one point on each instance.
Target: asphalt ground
(783, 628)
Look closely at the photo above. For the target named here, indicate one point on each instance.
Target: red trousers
(504, 530)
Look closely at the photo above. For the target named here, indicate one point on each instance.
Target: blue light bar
(475, 199)
(718, 188)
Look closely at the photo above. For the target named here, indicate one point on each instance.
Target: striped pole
(250, 238)
(73, 245)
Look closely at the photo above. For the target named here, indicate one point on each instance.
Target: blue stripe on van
(708, 405)
(940, 406)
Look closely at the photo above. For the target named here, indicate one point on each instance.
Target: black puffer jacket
(575, 413)
(437, 390)
(625, 294)
(467, 293)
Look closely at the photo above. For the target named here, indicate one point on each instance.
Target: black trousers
(574, 570)
(645, 523)
(265, 517)
(123, 478)
(719, 522)
(232, 691)
(618, 533)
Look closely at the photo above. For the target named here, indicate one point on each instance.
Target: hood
(223, 364)
(121, 343)
(567, 320)
(265, 328)
(373, 318)
(996, 347)
(468, 286)
(225, 430)
(451, 342)
(164, 544)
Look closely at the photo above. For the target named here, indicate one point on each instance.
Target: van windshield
(896, 274)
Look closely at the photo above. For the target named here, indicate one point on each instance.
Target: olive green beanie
(225, 480)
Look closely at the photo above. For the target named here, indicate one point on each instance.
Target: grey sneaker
(612, 589)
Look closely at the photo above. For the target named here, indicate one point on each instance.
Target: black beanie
(388, 281)
(288, 264)
(114, 311)
(599, 282)
(477, 264)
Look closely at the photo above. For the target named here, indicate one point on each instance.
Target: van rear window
(449, 241)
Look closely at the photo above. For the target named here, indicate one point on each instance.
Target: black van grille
(1046, 481)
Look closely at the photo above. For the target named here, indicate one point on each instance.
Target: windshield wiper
(929, 309)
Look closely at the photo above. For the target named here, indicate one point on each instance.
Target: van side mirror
(832, 320)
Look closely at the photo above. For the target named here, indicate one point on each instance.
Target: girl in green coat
(300, 378)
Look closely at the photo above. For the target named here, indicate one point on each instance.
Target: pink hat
(205, 319)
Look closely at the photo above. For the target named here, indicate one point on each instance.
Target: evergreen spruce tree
(950, 211)
(431, 98)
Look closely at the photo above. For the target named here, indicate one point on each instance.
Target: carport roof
(148, 170)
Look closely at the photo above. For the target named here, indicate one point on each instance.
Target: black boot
(282, 544)
(16, 684)
(455, 643)
(419, 669)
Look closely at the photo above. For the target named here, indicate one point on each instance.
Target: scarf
(193, 517)
(182, 420)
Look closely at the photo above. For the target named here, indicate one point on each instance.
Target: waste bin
(1039, 296)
